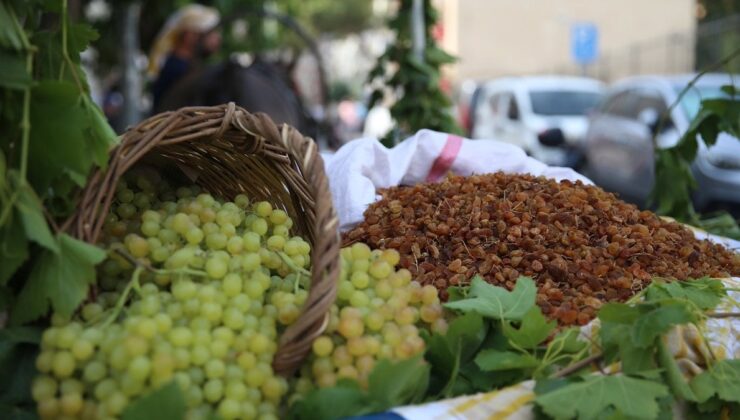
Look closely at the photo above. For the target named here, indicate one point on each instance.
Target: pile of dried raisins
(582, 245)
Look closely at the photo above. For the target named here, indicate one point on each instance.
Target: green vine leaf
(10, 38)
(493, 360)
(13, 248)
(31, 214)
(166, 402)
(597, 394)
(13, 69)
(496, 302)
(721, 379)
(65, 141)
(59, 280)
(534, 329)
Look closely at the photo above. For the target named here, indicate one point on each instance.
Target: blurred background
(597, 86)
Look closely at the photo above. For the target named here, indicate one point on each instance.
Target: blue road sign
(584, 42)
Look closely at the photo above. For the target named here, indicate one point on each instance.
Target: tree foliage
(416, 83)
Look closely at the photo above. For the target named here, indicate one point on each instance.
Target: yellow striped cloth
(513, 403)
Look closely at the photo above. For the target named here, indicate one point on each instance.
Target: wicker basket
(228, 151)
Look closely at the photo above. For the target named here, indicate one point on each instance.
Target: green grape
(229, 409)
(263, 209)
(323, 346)
(194, 235)
(139, 368)
(219, 348)
(63, 364)
(216, 240)
(278, 217)
(180, 337)
(215, 369)
(251, 241)
(43, 387)
(232, 284)
(66, 337)
(213, 390)
(216, 268)
(235, 244)
(94, 371)
(259, 226)
(45, 361)
(82, 350)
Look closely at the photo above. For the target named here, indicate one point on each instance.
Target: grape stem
(134, 282)
(292, 265)
(575, 367)
(723, 314)
(118, 249)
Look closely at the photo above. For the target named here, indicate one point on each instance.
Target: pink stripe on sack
(446, 157)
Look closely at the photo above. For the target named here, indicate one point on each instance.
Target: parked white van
(518, 109)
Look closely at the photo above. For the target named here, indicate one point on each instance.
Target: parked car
(518, 109)
(619, 142)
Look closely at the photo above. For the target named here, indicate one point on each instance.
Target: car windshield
(563, 102)
(692, 99)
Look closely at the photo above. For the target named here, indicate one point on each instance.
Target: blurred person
(188, 37)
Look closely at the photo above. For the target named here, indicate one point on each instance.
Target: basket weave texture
(228, 151)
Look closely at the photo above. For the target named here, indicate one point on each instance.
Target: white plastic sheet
(361, 167)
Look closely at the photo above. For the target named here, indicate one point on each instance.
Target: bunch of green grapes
(192, 303)
(378, 314)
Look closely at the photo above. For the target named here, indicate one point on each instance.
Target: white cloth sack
(361, 167)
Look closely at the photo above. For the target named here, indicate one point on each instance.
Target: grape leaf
(65, 142)
(166, 402)
(79, 36)
(533, 330)
(597, 393)
(497, 302)
(392, 384)
(18, 351)
(721, 379)
(705, 293)
(653, 324)
(447, 352)
(60, 279)
(342, 400)
(31, 214)
(13, 69)
(492, 360)
(673, 376)
(9, 35)
(13, 248)
(567, 341)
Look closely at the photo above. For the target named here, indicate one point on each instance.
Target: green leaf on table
(721, 379)
(166, 402)
(13, 69)
(497, 302)
(598, 393)
(567, 341)
(673, 375)
(447, 352)
(30, 210)
(345, 399)
(13, 248)
(493, 360)
(533, 329)
(706, 293)
(617, 346)
(58, 279)
(392, 384)
(65, 141)
(651, 325)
